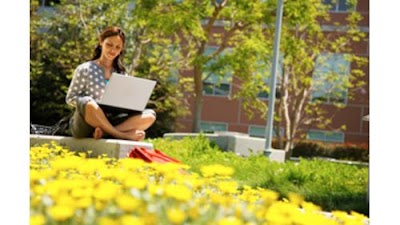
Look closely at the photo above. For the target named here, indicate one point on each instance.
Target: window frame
(320, 74)
(326, 134)
(212, 124)
(174, 73)
(338, 6)
(263, 128)
(267, 80)
(214, 81)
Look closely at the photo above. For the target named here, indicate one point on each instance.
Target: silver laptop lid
(127, 92)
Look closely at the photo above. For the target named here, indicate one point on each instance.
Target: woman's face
(111, 47)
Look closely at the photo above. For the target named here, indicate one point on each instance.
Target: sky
(384, 111)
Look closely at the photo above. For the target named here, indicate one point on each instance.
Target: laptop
(124, 94)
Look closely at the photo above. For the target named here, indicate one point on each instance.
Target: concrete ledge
(114, 148)
(275, 154)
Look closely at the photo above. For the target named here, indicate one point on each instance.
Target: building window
(330, 78)
(174, 52)
(338, 5)
(325, 136)
(265, 71)
(216, 83)
(210, 87)
(260, 131)
(173, 75)
(210, 127)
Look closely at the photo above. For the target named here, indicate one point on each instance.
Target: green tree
(235, 27)
(243, 32)
(65, 35)
(315, 67)
(170, 37)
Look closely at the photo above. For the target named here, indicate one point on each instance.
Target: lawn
(331, 185)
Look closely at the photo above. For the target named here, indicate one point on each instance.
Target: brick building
(220, 113)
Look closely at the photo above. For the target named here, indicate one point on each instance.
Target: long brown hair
(109, 32)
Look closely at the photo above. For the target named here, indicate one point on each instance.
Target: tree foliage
(65, 35)
(308, 42)
(167, 38)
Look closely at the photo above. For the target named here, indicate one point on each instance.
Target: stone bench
(113, 148)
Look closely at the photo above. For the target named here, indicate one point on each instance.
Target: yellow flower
(353, 218)
(238, 211)
(195, 183)
(216, 170)
(63, 164)
(281, 213)
(84, 202)
(340, 214)
(295, 199)
(176, 216)
(38, 189)
(36, 220)
(82, 154)
(230, 221)
(60, 212)
(65, 200)
(90, 166)
(131, 220)
(107, 221)
(61, 182)
(227, 186)
(99, 205)
(35, 201)
(131, 163)
(178, 192)
(194, 213)
(34, 175)
(116, 174)
(155, 189)
(150, 219)
(249, 196)
(128, 203)
(219, 199)
(358, 216)
(269, 196)
(310, 206)
(53, 188)
(107, 191)
(80, 192)
(138, 182)
(313, 218)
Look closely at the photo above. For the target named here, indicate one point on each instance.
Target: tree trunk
(288, 150)
(297, 112)
(198, 105)
(286, 114)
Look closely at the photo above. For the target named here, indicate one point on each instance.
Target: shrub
(347, 151)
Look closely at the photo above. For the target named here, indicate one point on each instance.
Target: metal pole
(271, 97)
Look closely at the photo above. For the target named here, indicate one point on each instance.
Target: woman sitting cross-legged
(87, 86)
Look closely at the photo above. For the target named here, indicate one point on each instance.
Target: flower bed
(74, 189)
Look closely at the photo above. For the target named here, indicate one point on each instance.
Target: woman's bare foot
(98, 133)
(136, 135)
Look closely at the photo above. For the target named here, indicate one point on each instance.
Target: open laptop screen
(127, 93)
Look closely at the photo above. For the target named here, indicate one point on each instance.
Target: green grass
(330, 185)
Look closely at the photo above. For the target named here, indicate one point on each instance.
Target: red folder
(151, 155)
